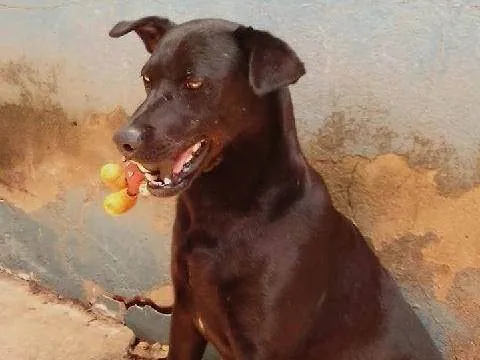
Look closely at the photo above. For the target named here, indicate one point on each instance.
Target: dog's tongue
(182, 159)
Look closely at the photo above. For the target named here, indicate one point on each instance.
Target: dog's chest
(208, 301)
(202, 268)
(212, 256)
(217, 276)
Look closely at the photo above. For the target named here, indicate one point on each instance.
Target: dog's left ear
(150, 29)
(272, 63)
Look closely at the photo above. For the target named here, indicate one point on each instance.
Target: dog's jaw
(186, 166)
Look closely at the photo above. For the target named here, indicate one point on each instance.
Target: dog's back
(372, 319)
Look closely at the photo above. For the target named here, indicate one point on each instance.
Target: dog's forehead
(206, 47)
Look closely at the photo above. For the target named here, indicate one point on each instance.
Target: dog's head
(204, 80)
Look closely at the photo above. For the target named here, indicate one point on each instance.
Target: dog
(263, 265)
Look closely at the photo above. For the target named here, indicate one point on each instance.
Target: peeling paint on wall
(342, 135)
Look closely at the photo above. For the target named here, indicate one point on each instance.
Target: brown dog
(263, 265)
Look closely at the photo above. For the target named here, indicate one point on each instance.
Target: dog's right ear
(150, 29)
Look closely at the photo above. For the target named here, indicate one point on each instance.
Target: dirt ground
(37, 326)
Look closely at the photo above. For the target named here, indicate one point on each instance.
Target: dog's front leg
(186, 342)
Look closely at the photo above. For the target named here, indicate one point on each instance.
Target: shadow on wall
(413, 198)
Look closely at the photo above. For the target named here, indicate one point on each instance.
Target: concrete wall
(388, 113)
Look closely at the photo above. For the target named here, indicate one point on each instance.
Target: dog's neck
(270, 156)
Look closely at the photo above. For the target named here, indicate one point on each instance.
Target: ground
(38, 326)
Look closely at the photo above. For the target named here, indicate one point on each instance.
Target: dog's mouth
(180, 172)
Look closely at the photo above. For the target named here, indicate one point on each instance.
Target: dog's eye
(194, 83)
(146, 81)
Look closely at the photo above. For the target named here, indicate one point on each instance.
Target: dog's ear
(150, 29)
(272, 63)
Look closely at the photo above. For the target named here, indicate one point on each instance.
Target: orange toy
(125, 180)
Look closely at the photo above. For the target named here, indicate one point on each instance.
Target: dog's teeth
(141, 167)
(157, 183)
(167, 181)
(197, 146)
(150, 177)
(143, 189)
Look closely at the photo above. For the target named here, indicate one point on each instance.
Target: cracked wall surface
(388, 113)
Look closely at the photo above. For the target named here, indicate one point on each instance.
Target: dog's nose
(128, 140)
